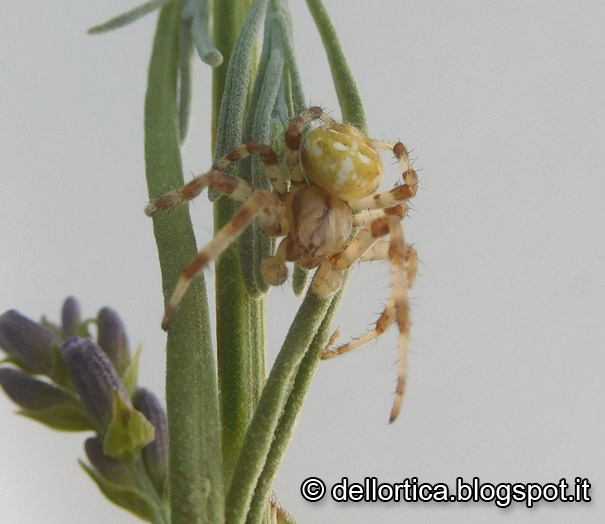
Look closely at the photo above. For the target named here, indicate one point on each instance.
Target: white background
(502, 104)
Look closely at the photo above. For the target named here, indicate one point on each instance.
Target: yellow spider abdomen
(340, 159)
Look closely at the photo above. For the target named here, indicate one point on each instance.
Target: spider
(335, 172)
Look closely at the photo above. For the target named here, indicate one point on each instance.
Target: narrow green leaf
(287, 422)
(196, 481)
(237, 81)
(285, 23)
(185, 81)
(128, 17)
(130, 376)
(254, 246)
(346, 87)
(271, 404)
(62, 417)
(198, 12)
(240, 318)
(297, 104)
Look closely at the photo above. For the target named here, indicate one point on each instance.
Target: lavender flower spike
(155, 454)
(28, 342)
(95, 379)
(112, 338)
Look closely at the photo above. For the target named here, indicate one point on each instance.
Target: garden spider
(335, 171)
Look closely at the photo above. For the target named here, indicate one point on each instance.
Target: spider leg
(273, 167)
(259, 203)
(294, 135)
(366, 217)
(389, 198)
(398, 149)
(235, 188)
(382, 325)
(397, 308)
(397, 194)
(379, 251)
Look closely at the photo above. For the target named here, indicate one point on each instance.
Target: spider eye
(341, 160)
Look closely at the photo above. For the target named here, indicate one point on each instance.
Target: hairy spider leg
(379, 251)
(365, 218)
(275, 171)
(388, 198)
(234, 187)
(397, 308)
(259, 203)
(398, 194)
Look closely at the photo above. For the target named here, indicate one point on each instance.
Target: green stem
(196, 481)
(259, 436)
(294, 404)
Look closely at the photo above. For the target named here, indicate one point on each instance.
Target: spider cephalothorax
(333, 173)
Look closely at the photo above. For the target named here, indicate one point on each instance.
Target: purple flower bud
(94, 377)
(27, 341)
(112, 469)
(29, 392)
(112, 338)
(155, 454)
(70, 317)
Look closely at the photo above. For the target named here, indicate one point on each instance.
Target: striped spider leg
(366, 246)
(255, 203)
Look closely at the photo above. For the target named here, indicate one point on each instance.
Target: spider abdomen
(319, 225)
(341, 159)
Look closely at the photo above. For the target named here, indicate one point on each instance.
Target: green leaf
(271, 404)
(185, 80)
(344, 82)
(288, 419)
(240, 319)
(198, 12)
(128, 17)
(254, 245)
(128, 430)
(62, 417)
(191, 386)
(130, 376)
(128, 498)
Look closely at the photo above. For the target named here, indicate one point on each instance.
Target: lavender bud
(112, 469)
(27, 341)
(29, 392)
(112, 338)
(155, 454)
(94, 377)
(70, 317)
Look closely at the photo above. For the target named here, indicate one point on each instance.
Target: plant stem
(196, 482)
(260, 434)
